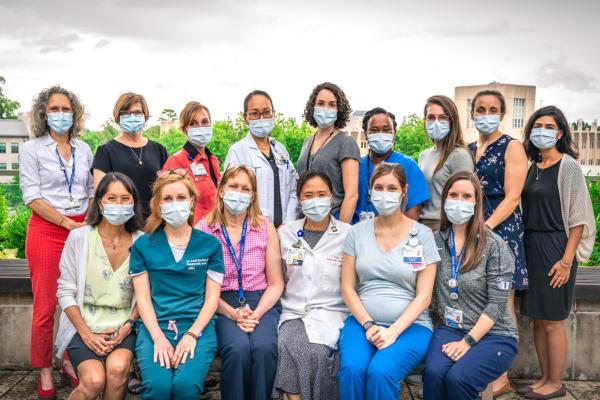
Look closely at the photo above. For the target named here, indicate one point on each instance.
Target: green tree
(95, 138)
(291, 135)
(7, 106)
(411, 138)
(168, 114)
(173, 140)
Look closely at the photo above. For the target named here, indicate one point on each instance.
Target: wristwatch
(368, 324)
(470, 340)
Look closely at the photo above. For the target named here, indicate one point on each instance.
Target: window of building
(2, 147)
(14, 147)
(2, 166)
(15, 166)
(468, 117)
(518, 112)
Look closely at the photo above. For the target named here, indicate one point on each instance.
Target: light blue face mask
(200, 136)
(325, 117)
(487, 124)
(459, 211)
(60, 122)
(175, 213)
(380, 142)
(316, 209)
(117, 214)
(132, 124)
(236, 202)
(386, 203)
(438, 130)
(261, 127)
(543, 138)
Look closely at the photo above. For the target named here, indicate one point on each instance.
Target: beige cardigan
(576, 205)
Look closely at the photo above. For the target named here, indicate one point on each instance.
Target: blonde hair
(217, 214)
(189, 111)
(155, 219)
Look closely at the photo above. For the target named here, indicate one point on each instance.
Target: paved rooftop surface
(20, 385)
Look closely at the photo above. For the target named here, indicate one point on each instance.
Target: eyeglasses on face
(255, 114)
(166, 172)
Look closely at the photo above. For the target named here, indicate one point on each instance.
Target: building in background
(587, 138)
(13, 132)
(355, 130)
(520, 104)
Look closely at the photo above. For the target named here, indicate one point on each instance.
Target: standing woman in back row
(131, 153)
(57, 186)
(447, 156)
(268, 159)
(559, 231)
(330, 149)
(501, 164)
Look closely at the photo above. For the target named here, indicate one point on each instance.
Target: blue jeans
(366, 370)
(444, 379)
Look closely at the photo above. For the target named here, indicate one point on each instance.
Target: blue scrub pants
(444, 379)
(185, 382)
(368, 373)
(248, 360)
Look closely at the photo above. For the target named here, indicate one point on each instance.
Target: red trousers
(43, 246)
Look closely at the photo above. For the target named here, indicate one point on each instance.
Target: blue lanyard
(455, 267)
(63, 168)
(236, 260)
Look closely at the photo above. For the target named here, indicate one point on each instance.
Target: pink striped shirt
(253, 264)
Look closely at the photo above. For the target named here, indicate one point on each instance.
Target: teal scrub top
(177, 288)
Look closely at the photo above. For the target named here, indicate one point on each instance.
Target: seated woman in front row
(388, 271)
(313, 309)
(478, 340)
(177, 274)
(95, 291)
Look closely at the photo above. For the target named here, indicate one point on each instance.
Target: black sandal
(134, 386)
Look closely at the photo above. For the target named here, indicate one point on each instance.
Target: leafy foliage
(7, 106)
(594, 189)
(411, 138)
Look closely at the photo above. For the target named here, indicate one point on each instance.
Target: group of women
(313, 282)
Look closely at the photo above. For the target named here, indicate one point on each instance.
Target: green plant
(16, 231)
(411, 138)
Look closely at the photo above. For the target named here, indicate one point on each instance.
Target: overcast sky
(391, 53)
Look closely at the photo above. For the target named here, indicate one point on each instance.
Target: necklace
(114, 243)
(308, 159)
(135, 154)
(538, 173)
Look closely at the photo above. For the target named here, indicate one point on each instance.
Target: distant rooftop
(494, 83)
(13, 128)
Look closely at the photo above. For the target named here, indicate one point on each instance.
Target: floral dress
(490, 170)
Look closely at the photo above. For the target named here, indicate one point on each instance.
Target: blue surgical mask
(175, 213)
(132, 124)
(380, 142)
(459, 211)
(316, 209)
(386, 203)
(200, 136)
(325, 117)
(438, 130)
(487, 124)
(117, 214)
(236, 202)
(261, 127)
(60, 122)
(543, 138)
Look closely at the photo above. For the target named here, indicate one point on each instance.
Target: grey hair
(38, 121)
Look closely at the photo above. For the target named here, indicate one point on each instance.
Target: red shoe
(45, 394)
(71, 378)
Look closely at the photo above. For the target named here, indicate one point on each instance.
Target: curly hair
(375, 111)
(38, 120)
(343, 106)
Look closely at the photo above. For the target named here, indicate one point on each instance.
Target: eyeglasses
(166, 172)
(135, 113)
(433, 118)
(257, 114)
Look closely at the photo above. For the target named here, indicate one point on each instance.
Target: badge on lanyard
(295, 254)
(412, 253)
(453, 318)
(198, 169)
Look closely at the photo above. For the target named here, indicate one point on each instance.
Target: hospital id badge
(453, 318)
(295, 256)
(413, 255)
(71, 205)
(198, 169)
(366, 215)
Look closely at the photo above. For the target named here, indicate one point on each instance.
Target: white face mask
(386, 203)
(459, 211)
(236, 202)
(200, 136)
(175, 213)
(316, 209)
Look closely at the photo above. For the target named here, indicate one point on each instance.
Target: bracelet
(192, 335)
(564, 265)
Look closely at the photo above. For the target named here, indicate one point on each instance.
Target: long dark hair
(308, 175)
(476, 228)
(94, 216)
(565, 144)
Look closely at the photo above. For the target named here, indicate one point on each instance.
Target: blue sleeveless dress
(490, 170)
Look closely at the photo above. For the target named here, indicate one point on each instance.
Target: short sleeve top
(387, 285)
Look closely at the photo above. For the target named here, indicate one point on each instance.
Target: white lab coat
(246, 152)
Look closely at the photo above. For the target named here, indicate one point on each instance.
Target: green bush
(16, 230)
(594, 189)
